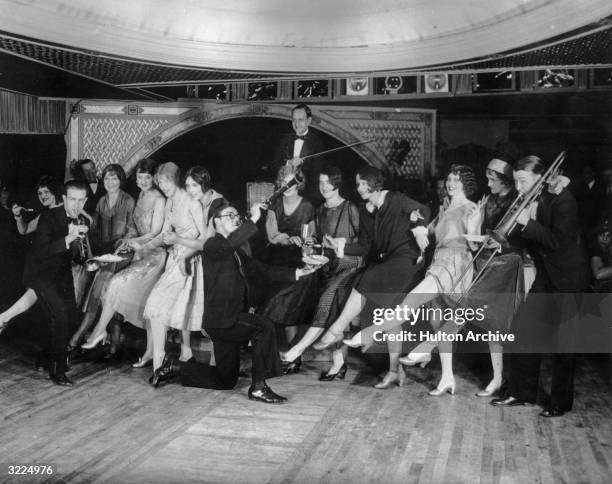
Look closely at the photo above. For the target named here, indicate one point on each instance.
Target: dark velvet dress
(393, 256)
(501, 285)
(291, 304)
(340, 221)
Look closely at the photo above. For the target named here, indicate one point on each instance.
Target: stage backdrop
(124, 132)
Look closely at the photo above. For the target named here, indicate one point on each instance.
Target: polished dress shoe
(58, 377)
(340, 374)
(552, 412)
(290, 367)
(265, 395)
(169, 369)
(509, 402)
(61, 379)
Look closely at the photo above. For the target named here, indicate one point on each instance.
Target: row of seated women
(375, 252)
(391, 243)
(160, 285)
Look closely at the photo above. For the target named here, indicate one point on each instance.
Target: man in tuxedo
(86, 171)
(295, 146)
(230, 280)
(544, 323)
(48, 272)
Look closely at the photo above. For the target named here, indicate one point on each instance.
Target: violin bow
(338, 148)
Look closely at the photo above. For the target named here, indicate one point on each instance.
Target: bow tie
(302, 137)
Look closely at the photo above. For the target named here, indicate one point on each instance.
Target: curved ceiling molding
(288, 36)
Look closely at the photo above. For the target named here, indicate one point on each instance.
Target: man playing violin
(295, 146)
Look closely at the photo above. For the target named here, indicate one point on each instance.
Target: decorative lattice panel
(111, 132)
(402, 143)
(108, 140)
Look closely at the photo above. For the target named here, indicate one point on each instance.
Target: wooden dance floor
(113, 427)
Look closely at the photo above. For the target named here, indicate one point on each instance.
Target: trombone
(509, 221)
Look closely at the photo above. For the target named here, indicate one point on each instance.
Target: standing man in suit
(48, 272)
(295, 146)
(230, 278)
(552, 230)
(86, 171)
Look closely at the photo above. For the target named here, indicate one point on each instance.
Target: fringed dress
(130, 288)
(177, 300)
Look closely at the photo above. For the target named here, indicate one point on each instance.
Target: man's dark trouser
(56, 299)
(226, 343)
(541, 327)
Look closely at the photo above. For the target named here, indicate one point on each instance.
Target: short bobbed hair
(334, 174)
(200, 175)
(115, 169)
(51, 184)
(467, 176)
(373, 177)
(147, 165)
(169, 170)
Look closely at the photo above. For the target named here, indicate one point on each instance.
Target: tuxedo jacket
(93, 198)
(311, 167)
(49, 261)
(229, 286)
(555, 241)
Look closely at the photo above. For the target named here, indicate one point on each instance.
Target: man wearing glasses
(229, 275)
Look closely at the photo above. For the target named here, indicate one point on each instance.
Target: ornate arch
(119, 132)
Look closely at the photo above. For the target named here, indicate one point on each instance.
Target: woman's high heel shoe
(422, 360)
(487, 392)
(142, 362)
(357, 342)
(89, 345)
(392, 378)
(290, 367)
(332, 338)
(450, 388)
(340, 374)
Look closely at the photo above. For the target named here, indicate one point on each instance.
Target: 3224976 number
(23, 470)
